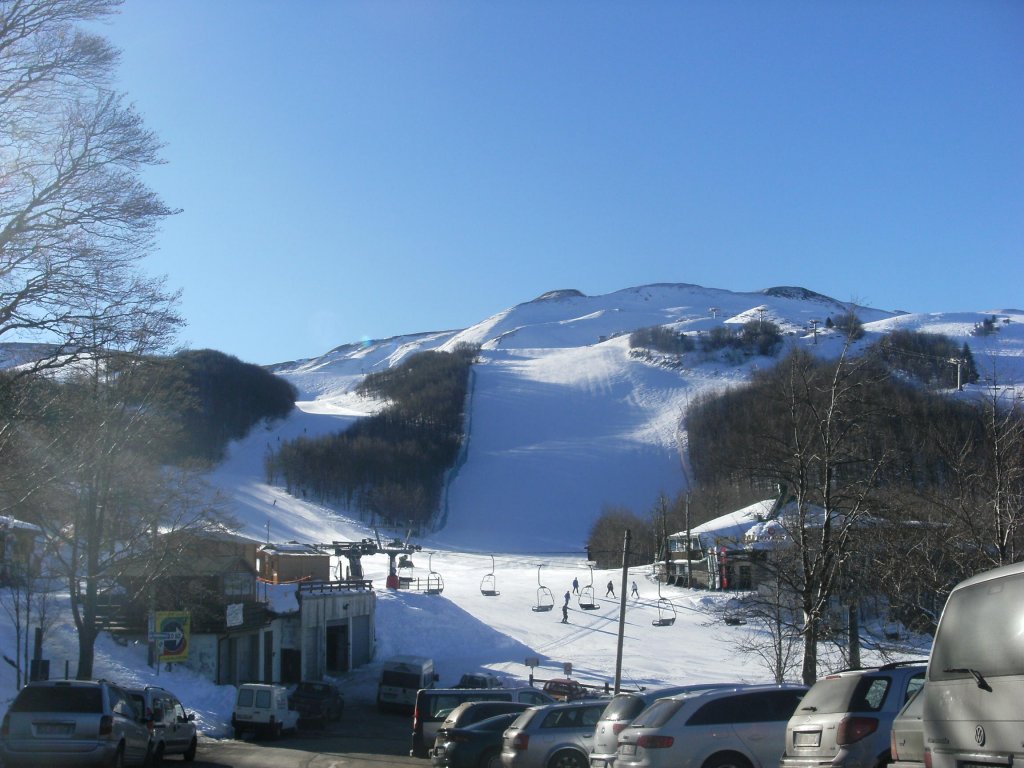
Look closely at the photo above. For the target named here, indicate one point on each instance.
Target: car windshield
(313, 689)
(623, 706)
(496, 723)
(72, 698)
(847, 693)
(982, 631)
(659, 713)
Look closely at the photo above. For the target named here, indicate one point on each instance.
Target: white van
(263, 708)
(400, 678)
(975, 680)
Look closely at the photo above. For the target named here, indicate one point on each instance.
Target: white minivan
(263, 709)
(975, 681)
(400, 678)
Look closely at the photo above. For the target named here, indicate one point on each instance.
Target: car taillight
(106, 725)
(459, 738)
(927, 758)
(520, 741)
(618, 727)
(853, 729)
(892, 746)
(655, 742)
(416, 720)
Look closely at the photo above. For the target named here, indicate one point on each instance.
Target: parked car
(906, 739)
(316, 701)
(565, 689)
(84, 722)
(621, 711)
(263, 709)
(172, 729)
(845, 719)
(739, 727)
(552, 736)
(477, 745)
(478, 680)
(433, 705)
(975, 681)
(471, 712)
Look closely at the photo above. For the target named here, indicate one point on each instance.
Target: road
(364, 738)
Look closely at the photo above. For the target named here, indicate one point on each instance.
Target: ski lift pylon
(586, 599)
(545, 600)
(435, 584)
(666, 611)
(488, 586)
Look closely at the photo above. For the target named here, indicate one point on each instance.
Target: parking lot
(363, 738)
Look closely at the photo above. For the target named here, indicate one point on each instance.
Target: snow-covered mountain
(563, 421)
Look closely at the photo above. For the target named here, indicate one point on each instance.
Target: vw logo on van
(979, 735)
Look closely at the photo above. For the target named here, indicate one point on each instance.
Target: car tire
(118, 760)
(490, 759)
(727, 760)
(156, 756)
(190, 753)
(568, 758)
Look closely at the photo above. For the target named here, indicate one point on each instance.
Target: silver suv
(552, 736)
(624, 707)
(735, 727)
(845, 719)
(172, 729)
(73, 721)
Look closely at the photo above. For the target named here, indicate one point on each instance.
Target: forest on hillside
(390, 465)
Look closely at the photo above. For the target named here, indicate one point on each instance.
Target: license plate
(55, 729)
(627, 749)
(806, 738)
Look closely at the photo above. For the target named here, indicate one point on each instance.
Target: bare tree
(75, 218)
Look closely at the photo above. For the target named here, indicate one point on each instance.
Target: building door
(337, 649)
(268, 657)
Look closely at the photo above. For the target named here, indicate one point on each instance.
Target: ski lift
(404, 572)
(666, 611)
(435, 584)
(545, 600)
(488, 587)
(586, 599)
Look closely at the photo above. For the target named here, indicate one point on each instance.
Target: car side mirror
(191, 716)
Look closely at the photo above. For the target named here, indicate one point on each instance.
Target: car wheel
(190, 753)
(490, 759)
(568, 758)
(118, 761)
(727, 760)
(156, 756)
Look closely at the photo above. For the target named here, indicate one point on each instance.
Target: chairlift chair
(435, 584)
(404, 572)
(666, 611)
(488, 586)
(545, 600)
(586, 599)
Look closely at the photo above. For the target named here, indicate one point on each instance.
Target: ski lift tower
(393, 550)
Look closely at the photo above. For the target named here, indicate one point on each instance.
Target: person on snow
(610, 590)
(565, 613)
(635, 592)
(567, 597)
(576, 586)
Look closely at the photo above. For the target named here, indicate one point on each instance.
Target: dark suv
(845, 719)
(73, 721)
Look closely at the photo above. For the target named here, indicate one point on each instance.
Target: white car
(738, 727)
(263, 708)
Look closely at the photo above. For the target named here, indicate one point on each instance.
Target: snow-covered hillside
(563, 421)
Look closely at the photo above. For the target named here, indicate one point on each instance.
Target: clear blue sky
(372, 167)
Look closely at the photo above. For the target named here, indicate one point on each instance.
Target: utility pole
(622, 612)
(814, 329)
(689, 581)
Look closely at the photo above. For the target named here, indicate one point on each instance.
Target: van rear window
(59, 699)
(982, 629)
(400, 679)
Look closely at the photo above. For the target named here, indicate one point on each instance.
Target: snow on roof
(292, 548)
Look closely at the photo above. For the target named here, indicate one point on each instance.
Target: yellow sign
(171, 632)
